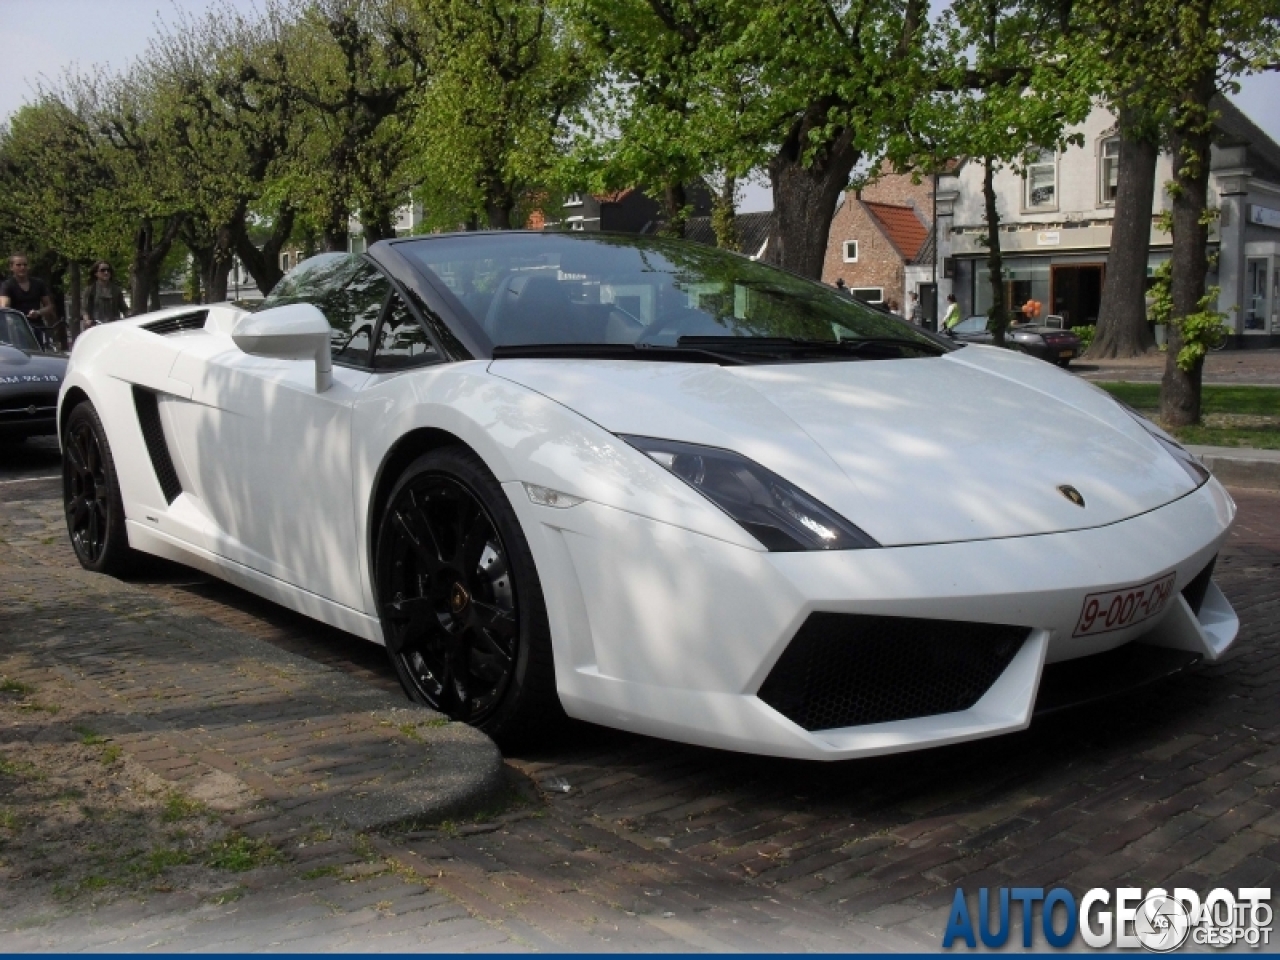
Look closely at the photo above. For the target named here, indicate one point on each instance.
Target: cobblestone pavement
(634, 843)
(1260, 367)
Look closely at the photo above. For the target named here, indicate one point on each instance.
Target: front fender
(523, 437)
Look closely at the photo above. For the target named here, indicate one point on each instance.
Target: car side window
(402, 340)
(352, 311)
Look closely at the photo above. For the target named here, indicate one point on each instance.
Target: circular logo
(1161, 924)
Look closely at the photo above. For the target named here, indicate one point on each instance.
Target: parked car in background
(1047, 343)
(29, 381)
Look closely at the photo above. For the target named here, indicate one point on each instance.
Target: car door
(270, 457)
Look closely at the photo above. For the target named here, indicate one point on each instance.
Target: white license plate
(1066, 353)
(1117, 609)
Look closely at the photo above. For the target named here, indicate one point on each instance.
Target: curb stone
(1241, 466)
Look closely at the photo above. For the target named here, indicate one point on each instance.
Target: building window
(575, 223)
(284, 262)
(1109, 170)
(573, 200)
(868, 294)
(851, 251)
(1042, 181)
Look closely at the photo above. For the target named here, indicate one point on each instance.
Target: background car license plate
(1117, 609)
(1066, 353)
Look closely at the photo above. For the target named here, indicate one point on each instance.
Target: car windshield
(15, 331)
(528, 289)
(976, 324)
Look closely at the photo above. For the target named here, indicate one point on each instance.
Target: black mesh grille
(184, 321)
(1196, 589)
(153, 434)
(843, 670)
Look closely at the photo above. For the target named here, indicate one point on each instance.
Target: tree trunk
(264, 265)
(675, 210)
(380, 225)
(149, 251)
(724, 215)
(998, 314)
(498, 207)
(77, 301)
(1123, 330)
(1180, 389)
(805, 195)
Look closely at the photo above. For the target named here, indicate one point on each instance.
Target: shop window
(1108, 170)
(1042, 181)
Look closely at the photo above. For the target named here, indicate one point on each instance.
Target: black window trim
(394, 287)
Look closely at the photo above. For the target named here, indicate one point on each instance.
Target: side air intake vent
(153, 433)
(183, 321)
(844, 670)
(1198, 587)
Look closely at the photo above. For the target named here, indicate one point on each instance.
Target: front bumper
(669, 633)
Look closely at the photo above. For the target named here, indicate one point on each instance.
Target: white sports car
(657, 485)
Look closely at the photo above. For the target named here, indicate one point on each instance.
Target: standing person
(914, 312)
(29, 296)
(841, 287)
(893, 307)
(103, 298)
(952, 317)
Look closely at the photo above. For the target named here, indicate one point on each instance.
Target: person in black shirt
(28, 295)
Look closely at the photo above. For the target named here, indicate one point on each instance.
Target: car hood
(19, 366)
(968, 446)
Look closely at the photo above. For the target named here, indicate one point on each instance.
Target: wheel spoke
(419, 535)
(494, 620)
(75, 455)
(92, 540)
(76, 510)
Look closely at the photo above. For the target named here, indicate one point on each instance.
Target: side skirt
(150, 540)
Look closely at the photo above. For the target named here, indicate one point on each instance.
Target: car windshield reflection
(523, 289)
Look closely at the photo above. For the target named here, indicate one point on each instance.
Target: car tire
(460, 601)
(91, 496)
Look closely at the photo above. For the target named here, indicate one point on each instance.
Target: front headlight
(779, 514)
(1196, 470)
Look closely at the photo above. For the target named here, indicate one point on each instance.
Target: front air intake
(845, 670)
(176, 324)
(1195, 590)
(153, 433)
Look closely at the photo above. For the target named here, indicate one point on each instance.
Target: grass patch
(239, 853)
(320, 872)
(228, 896)
(1232, 416)
(15, 687)
(158, 861)
(8, 820)
(178, 807)
(87, 736)
(17, 769)
(111, 754)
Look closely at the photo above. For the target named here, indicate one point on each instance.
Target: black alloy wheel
(91, 495)
(460, 603)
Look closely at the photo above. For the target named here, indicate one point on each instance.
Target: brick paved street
(624, 842)
(1260, 367)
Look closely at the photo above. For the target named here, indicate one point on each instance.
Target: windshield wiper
(614, 351)
(850, 345)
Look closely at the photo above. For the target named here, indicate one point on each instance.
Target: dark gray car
(29, 381)
(1048, 343)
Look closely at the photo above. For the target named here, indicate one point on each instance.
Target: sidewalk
(1230, 367)
(1241, 466)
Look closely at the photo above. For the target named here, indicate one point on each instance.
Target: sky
(45, 37)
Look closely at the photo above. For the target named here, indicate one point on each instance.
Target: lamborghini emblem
(1072, 494)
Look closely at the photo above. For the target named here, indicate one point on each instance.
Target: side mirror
(296, 331)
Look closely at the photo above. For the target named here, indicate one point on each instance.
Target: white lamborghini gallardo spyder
(656, 485)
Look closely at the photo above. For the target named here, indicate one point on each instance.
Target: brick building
(879, 233)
